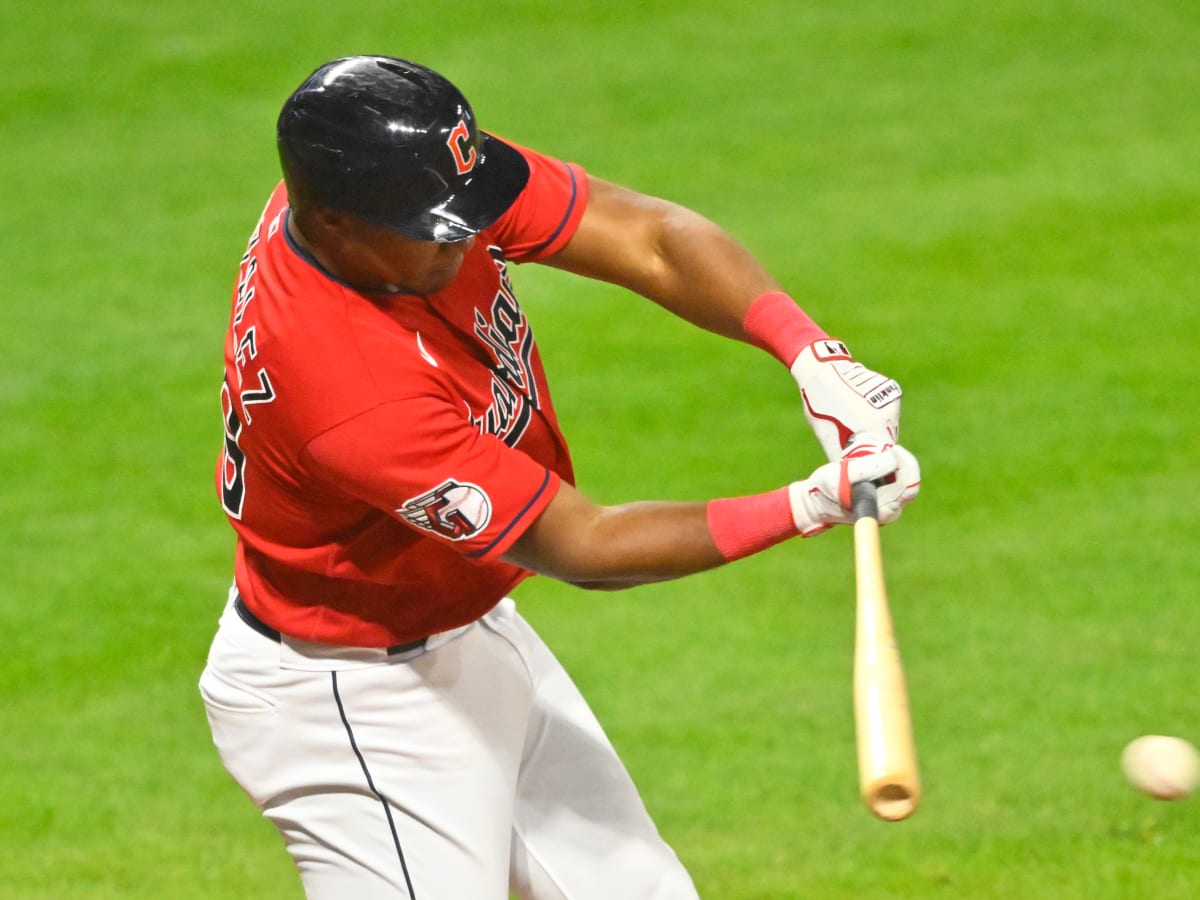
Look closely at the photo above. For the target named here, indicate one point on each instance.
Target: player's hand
(823, 499)
(843, 397)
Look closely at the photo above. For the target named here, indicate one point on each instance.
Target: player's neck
(302, 242)
(325, 261)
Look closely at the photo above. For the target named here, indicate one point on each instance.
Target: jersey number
(233, 458)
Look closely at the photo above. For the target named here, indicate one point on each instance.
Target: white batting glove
(843, 397)
(823, 499)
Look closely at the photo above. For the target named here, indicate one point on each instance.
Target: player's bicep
(619, 237)
(556, 543)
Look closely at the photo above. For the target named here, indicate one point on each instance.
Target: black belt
(267, 631)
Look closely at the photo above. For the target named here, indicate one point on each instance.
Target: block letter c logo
(460, 148)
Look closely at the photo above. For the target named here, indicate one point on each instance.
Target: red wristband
(776, 324)
(742, 526)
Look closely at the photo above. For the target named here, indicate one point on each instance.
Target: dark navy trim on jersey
(517, 518)
(316, 264)
(387, 807)
(304, 254)
(565, 219)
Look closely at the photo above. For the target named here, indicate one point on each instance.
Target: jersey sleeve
(546, 213)
(422, 460)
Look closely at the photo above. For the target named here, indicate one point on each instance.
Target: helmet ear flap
(396, 144)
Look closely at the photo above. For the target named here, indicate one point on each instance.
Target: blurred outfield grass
(997, 203)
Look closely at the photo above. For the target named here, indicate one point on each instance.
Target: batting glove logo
(453, 510)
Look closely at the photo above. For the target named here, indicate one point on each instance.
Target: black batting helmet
(396, 144)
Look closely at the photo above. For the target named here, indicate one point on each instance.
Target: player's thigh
(241, 688)
(438, 744)
(581, 830)
(392, 780)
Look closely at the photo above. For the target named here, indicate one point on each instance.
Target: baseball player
(393, 468)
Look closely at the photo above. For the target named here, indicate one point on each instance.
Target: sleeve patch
(453, 510)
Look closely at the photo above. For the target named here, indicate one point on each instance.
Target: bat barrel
(892, 800)
(887, 763)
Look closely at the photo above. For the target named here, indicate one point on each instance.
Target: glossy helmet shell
(396, 144)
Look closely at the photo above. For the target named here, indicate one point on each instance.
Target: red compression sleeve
(742, 526)
(776, 324)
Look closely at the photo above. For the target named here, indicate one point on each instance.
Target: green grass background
(998, 203)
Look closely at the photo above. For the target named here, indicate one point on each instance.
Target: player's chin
(418, 287)
(440, 279)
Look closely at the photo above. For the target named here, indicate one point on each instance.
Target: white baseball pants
(461, 771)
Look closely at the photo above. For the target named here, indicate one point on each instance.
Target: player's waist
(372, 611)
(244, 613)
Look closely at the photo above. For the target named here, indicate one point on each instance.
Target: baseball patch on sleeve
(454, 510)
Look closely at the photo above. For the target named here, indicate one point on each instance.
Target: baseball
(1165, 768)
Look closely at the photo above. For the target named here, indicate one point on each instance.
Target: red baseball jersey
(381, 452)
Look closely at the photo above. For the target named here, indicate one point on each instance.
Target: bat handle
(863, 503)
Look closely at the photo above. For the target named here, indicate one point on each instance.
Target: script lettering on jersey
(505, 333)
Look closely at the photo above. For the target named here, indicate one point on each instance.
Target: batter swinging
(393, 468)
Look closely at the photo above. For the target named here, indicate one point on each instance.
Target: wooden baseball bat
(887, 760)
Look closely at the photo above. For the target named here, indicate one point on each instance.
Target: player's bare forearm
(615, 547)
(582, 543)
(667, 253)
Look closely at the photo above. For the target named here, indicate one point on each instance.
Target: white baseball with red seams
(1161, 766)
